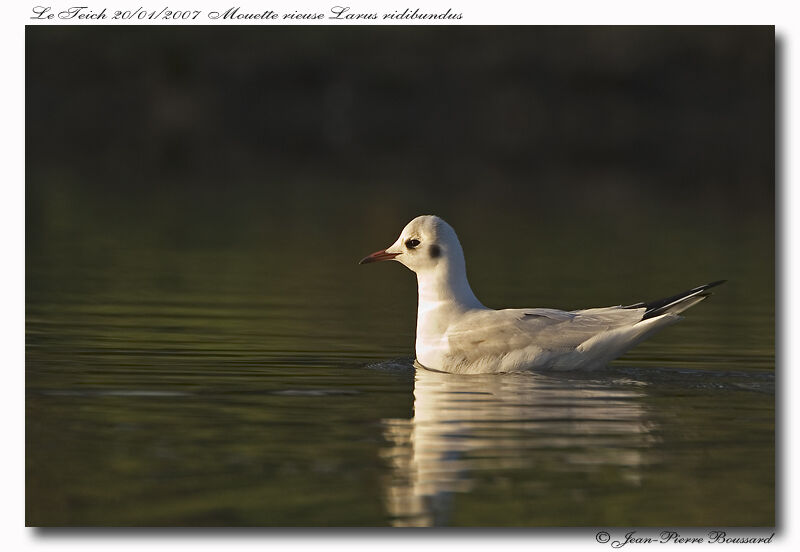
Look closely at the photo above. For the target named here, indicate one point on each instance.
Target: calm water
(273, 383)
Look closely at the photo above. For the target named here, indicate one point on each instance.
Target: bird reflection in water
(472, 429)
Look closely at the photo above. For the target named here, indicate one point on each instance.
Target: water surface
(260, 385)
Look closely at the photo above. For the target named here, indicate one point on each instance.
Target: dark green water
(258, 376)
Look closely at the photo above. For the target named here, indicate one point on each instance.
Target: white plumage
(456, 333)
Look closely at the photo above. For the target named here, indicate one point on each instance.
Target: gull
(457, 334)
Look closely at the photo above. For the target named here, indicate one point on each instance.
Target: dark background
(579, 165)
(233, 124)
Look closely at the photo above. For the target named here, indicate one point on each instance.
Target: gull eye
(412, 243)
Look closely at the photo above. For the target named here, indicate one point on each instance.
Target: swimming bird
(456, 333)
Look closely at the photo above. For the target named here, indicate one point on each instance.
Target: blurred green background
(561, 140)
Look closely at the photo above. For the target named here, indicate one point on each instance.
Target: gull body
(458, 334)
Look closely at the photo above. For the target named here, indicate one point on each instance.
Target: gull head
(425, 244)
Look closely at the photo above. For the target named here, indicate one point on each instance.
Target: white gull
(456, 333)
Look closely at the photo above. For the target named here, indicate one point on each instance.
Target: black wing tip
(713, 284)
(654, 307)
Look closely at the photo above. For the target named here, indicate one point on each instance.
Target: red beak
(378, 256)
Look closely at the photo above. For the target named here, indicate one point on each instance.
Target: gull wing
(489, 334)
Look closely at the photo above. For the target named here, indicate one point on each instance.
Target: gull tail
(677, 303)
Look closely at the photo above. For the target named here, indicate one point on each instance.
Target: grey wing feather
(495, 332)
